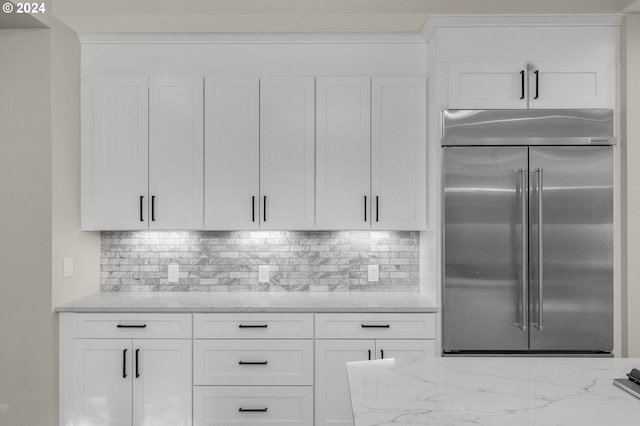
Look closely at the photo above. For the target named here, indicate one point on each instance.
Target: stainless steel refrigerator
(528, 231)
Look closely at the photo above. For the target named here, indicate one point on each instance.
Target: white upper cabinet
(536, 85)
(569, 85)
(343, 153)
(117, 196)
(232, 153)
(176, 153)
(287, 127)
(398, 153)
(495, 85)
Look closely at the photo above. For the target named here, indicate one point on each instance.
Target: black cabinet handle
(264, 207)
(141, 200)
(131, 326)
(537, 84)
(365, 208)
(369, 352)
(522, 84)
(252, 410)
(153, 208)
(253, 362)
(124, 364)
(377, 208)
(375, 325)
(381, 354)
(253, 208)
(137, 372)
(253, 325)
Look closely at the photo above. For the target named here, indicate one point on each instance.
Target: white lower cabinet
(253, 405)
(342, 338)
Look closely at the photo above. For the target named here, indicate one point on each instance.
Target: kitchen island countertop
(492, 392)
(251, 302)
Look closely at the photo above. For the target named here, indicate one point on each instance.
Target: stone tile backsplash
(229, 260)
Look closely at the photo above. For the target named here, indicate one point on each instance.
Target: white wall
(26, 367)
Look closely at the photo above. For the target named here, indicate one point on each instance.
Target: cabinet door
(287, 153)
(102, 371)
(333, 402)
(175, 153)
(120, 149)
(161, 382)
(343, 153)
(497, 85)
(570, 85)
(232, 153)
(399, 153)
(405, 349)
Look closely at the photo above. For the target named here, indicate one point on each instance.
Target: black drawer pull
(141, 217)
(252, 362)
(381, 354)
(375, 326)
(131, 326)
(124, 364)
(253, 325)
(252, 410)
(137, 372)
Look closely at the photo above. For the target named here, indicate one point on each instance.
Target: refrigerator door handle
(540, 250)
(525, 255)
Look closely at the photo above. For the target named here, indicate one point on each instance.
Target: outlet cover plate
(174, 273)
(263, 273)
(67, 267)
(374, 273)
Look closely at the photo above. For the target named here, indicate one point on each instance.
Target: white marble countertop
(492, 392)
(250, 302)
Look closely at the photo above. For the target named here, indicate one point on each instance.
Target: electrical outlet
(174, 273)
(374, 273)
(263, 273)
(67, 267)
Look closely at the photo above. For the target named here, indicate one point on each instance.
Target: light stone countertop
(492, 392)
(251, 302)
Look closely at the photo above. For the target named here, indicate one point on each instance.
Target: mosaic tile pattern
(229, 260)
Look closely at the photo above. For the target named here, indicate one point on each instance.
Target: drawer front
(138, 326)
(233, 405)
(254, 362)
(375, 326)
(253, 326)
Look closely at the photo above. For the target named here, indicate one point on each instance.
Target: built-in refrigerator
(528, 231)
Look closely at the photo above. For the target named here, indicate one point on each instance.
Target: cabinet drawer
(375, 326)
(274, 405)
(139, 326)
(239, 362)
(253, 326)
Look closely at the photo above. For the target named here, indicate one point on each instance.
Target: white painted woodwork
(343, 153)
(492, 85)
(398, 153)
(288, 362)
(239, 326)
(220, 405)
(232, 153)
(105, 326)
(162, 382)
(287, 149)
(101, 396)
(350, 326)
(333, 402)
(571, 85)
(176, 152)
(120, 148)
(386, 349)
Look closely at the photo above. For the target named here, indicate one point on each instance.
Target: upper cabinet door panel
(232, 153)
(287, 128)
(570, 85)
(487, 85)
(176, 153)
(343, 152)
(398, 153)
(120, 147)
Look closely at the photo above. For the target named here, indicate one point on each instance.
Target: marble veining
(492, 392)
(321, 261)
(250, 302)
